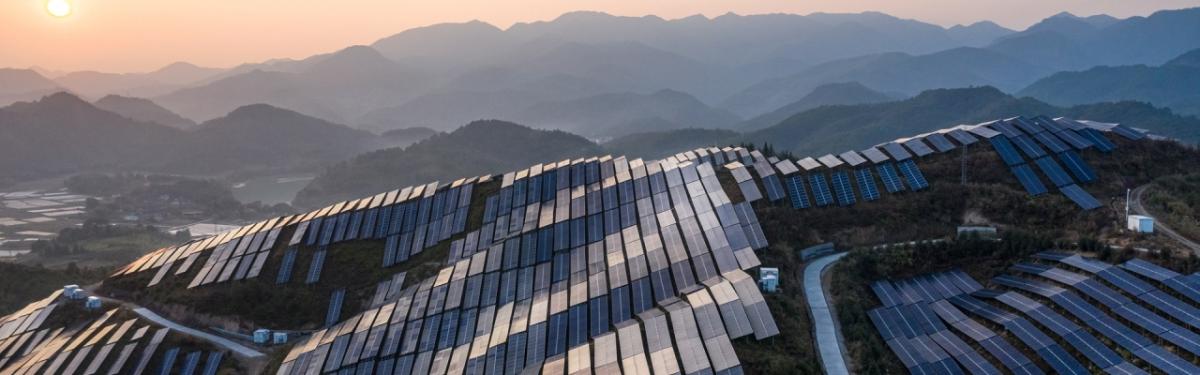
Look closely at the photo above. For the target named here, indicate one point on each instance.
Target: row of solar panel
(842, 188)
(567, 326)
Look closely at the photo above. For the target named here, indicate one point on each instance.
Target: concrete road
(239, 349)
(829, 339)
(1135, 205)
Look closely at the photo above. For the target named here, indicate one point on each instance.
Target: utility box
(73, 292)
(768, 279)
(1140, 224)
(262, 336)
(977, 230)
(93, 303)
(279, 338)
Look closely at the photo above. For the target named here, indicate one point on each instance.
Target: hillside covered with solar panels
(694, 263)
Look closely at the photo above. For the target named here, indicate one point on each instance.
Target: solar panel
(1077, 166)
(983, 131)
(918, 147)
(1028, 147)
(852, 158)
(1051, 142)
(1081, 197)
(190, 363)
(749, 190)
(774, 188)
(962, 137)
(1007, 151)
(335, 307)
(875, 155)
(1073, 138)
(820, 189)
(1025, 125)
(1051, 169)
(912, 175)
(1127, 132)
(314, 270)
(896, 151)
(1098, 140)
(939, 142)
(1029, 180)
(830, 161)
(866, 184)
(891, 179)
(1005, 128)
(799, 195)
(213, 363)
(841, 185)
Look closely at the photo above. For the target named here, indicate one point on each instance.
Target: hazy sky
(142, 35)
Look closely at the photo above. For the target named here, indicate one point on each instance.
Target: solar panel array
(608, 244)
(92, 344)
(1042, 139)
(1089, 316)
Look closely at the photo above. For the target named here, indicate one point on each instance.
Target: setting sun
(59, 8)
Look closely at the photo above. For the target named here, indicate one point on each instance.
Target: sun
(58, 8)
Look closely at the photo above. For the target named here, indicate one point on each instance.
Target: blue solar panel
(1051, 142)
(796, 190)
(335, 307)
(1081, 197)
(912, 175)
(1098, 139)
(866, 184)
(1126, 132)
(1026, 125)
(314, 269)
(820, 189)
(1029, 180)
(1061, 361)
(168, 361)
(285, 268)
(190, 363)
(940, 142)
(1073, 138)
(1027, 146)
(773, 187)
(1057, 175)
(213, 363)
(556, 339)
(1077, 166)
(1006, 150)
(841, 185)
(891, 179)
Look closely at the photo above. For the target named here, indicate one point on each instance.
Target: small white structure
(93, 303)
(262, 336)
(768, 279)
(976, 230)
(1140, 224)
(279, 338)
(72, 292)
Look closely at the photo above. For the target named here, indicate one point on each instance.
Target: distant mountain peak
(1190, 59)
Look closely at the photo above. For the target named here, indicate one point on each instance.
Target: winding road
(1135, 204)
(829, 339)
(240, 349)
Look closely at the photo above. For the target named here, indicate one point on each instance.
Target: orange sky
(141, 35)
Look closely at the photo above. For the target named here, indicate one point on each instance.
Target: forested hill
(840, 128)
(481, 147)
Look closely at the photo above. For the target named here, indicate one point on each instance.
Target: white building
(1140, 224)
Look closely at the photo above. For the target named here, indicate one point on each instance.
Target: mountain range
(63, 134)
(1173, 85)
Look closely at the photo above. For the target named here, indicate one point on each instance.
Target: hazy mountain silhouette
(659, 144)
(24, 85)
(828, 94)
(893, 72)
(481, 147)
(1175, 84)
(62, 134)
(166, 79)
(978, 34)
(335, 87)
(142, 110)
(609, 115)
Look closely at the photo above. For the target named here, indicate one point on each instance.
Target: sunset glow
(58, 8)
